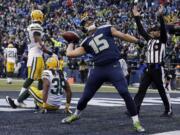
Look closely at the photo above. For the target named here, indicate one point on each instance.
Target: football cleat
(10, 101)
(70, 119)
(138, 128)
(20, 104)
(167, 114)
(9, 82)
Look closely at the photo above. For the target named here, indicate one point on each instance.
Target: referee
(156, 41)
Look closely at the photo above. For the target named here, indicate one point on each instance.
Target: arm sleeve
(141, 30)
(163, 32)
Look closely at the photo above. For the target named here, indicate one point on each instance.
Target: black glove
(141, 43)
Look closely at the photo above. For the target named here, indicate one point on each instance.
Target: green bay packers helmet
(10, 46)
(52, 63)
(37, 16)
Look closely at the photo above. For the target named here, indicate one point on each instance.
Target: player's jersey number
(98, 44)
(11, 54)
(56, 87)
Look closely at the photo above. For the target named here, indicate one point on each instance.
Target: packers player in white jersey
(35, 61)
(50, 97)
(53, 88)
(10, 55)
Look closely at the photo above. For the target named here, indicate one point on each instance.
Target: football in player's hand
(70, 36)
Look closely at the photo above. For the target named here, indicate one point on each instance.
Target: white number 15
(99, 44)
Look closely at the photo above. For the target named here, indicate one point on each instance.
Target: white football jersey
(55, 92)
(10, 54)
(34, 49)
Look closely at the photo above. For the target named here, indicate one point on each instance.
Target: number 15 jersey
(55, 92)
(101, 46)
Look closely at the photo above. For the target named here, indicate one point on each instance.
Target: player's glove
(67, 110)
(44, 108)
(141, 43)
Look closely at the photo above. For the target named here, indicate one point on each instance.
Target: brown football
(70, 36)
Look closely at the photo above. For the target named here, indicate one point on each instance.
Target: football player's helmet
(37, 16)
(87, 24)
(10, 46)
(52, 63)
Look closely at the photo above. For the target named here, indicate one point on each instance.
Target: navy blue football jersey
(101, 46)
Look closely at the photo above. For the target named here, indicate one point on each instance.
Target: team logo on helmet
(37, 16)
(52, 63)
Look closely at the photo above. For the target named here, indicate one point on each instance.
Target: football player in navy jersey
(106, 68)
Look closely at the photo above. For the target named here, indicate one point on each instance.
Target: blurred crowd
(64, 15)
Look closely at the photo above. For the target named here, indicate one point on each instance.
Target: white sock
(135, 119)
(8, 80)
(77, 112)
(16, 102)
(22, 90)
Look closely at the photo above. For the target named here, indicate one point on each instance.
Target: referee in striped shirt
(156, 40)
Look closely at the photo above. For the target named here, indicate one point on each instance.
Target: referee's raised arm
(141, 30)
(163, 32)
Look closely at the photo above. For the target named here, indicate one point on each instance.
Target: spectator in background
(65, 15)
(83, 69)
(73, 66)
(2, 73)
(124, 67)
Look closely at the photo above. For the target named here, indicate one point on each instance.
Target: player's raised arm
(123, 36)
(71, 52)
(126, 37)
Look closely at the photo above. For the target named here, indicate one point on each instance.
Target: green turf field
(17, 84)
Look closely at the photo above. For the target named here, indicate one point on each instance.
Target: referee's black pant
(153, 73)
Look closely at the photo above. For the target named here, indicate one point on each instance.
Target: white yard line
(169, 133)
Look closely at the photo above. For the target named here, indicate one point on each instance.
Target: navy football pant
(111, 73)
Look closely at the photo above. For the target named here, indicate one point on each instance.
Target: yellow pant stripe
(36, 97)
(33, 67)
(29, 76)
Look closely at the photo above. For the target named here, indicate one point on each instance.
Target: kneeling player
(53, 85)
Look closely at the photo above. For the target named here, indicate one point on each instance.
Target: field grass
(17, 84)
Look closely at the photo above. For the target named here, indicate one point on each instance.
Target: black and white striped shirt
(155, 47)
(155, 51)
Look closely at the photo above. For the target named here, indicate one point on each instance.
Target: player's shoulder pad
(35, 27)
(104, 26)
(46, 74)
